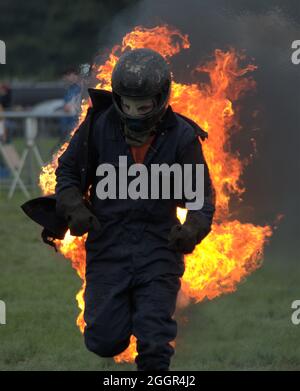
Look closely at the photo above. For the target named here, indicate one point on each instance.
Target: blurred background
(49, 50)
(50, 47)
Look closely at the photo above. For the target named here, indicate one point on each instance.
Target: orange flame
(232, 250)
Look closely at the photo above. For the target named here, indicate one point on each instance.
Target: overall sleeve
(191, 153)
(67, 171)
(76, 165)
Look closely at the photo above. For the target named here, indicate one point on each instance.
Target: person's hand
(68, 108)
(72, 207)
(81, 220)
(184, 238)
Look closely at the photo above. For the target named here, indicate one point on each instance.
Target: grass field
(250, 329)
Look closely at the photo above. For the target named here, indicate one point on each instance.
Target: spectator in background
(72, 102)
(5, 103)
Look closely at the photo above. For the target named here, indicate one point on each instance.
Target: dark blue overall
(132, 277)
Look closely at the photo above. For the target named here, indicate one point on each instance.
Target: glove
(184, 238)
(72, 207)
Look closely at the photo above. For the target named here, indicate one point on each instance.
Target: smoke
(265, 31)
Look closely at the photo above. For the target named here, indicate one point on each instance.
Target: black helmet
(141, 73)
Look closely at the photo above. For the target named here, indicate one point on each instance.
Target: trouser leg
(107, 313)
(154, 304)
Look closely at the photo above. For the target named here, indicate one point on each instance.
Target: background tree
(45, 37)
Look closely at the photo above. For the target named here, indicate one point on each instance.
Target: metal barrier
(14, 162)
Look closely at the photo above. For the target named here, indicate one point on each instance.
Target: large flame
(232, 250)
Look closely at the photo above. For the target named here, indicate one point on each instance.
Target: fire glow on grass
(232, 250)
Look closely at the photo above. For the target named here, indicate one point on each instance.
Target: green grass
(247, 330)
